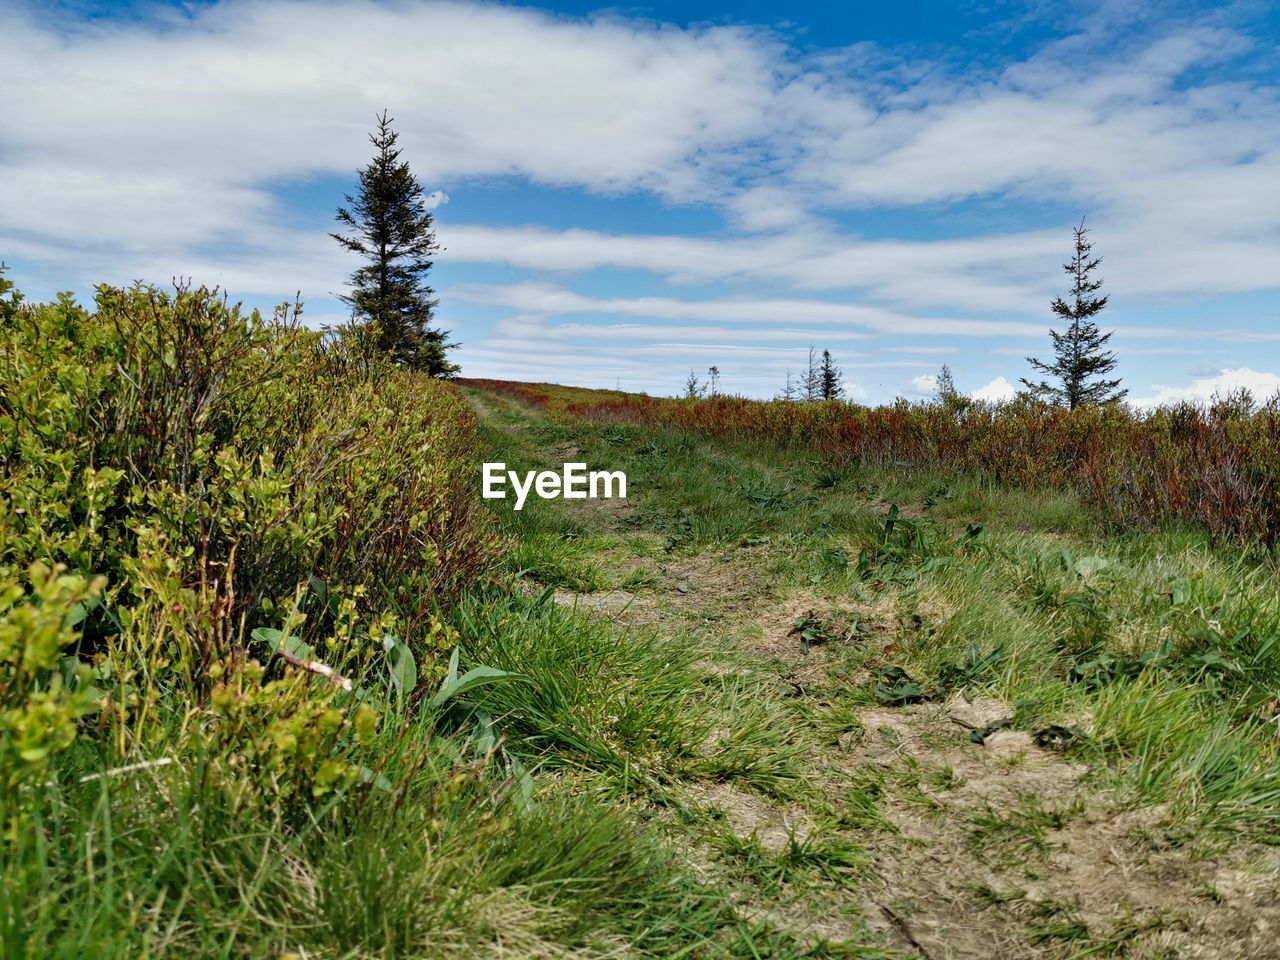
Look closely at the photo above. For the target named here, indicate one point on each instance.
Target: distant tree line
(821, 380)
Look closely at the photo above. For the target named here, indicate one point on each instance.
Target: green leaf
(76, 615)
(403, 668)
(295, 646)
(277, 640)
(1088, 566)
(268, 635)
(476, 677)
(1212, 660)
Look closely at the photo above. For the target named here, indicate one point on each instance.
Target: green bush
(183, 480)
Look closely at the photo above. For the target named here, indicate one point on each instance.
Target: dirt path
(920, 827)
(997, 850)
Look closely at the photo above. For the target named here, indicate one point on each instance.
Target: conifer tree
(692, 389)
(1081, 359)
(811, 382)
(946, 388)
(392, 230)
(789, 391)
(713, 381)
(829, 378)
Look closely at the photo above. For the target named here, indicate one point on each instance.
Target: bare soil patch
(1007, 850)
(782, 629)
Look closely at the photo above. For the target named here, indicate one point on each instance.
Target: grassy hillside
(276, 682)
(1215, 467)
(984, 722)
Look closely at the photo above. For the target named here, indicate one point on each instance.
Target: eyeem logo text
(573, 484)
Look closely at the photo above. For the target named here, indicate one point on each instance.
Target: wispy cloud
(551, 300)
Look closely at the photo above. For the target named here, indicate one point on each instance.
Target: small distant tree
(1081, 359)
(946, 389)
(692, 389)
(829, 378)
(713, 381)
(391, 228)
(789, 392)
(811, 383)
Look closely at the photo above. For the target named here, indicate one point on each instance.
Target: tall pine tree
(391, 229)
(1081, 359)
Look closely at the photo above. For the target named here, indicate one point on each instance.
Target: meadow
(831, 682)
(1215, 467)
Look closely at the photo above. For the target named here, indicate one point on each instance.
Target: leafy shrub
(182, 480)
(39, 706)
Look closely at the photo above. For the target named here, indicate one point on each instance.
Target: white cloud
(998, 390)
(433, 200)
(550, 300)
(994, 272)
(136, 148)
(924, 385)
(127, 138)
(527, 328)
(1262, 385)
(855, 392)
(121, 137)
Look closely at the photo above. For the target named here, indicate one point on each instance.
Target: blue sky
(628, 192)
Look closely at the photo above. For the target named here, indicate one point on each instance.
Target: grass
(227, 727)
(445, 866)
(751, 753)
(1210, 465)
(1151, 651)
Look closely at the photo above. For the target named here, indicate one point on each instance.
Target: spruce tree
(713, 381)
(692, 389)
(788, 394)
(829, 378)
(811, 382)
(392, 230)
(1081, 358)
(946, 388)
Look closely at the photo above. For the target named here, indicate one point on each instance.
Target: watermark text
(572, 483)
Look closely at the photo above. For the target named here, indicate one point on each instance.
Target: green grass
(1158, 646)
(578, 830)
(1022, 595)
(446, 865)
